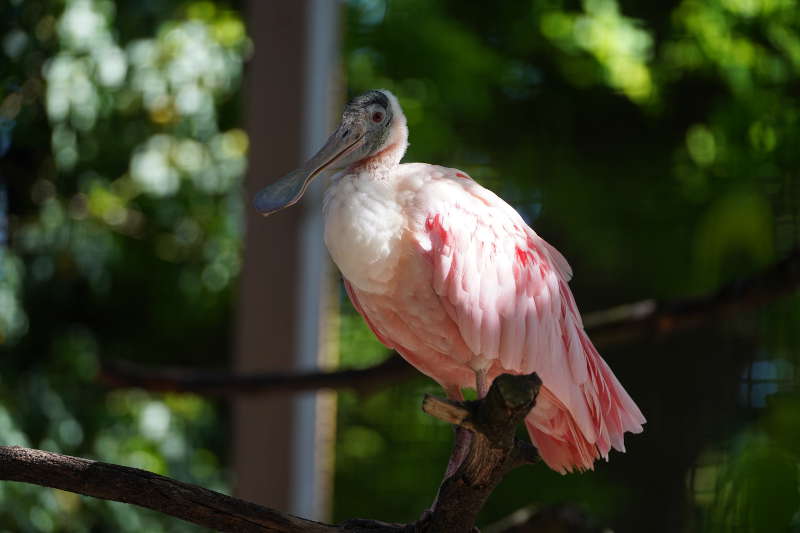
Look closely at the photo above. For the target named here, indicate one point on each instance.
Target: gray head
(371, 122)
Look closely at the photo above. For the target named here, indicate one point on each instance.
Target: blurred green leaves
(13, 321)
(618, 44)
(738, 229)
(757, 486)
(123, 168)
(746, 42)
(655, 144)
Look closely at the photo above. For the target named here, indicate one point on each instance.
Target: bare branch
(493, 449)
(493, 452)
(365, 380)
(650, 319)
(618, 325)
(559, 517)
(449, 411)
(145, 489)
(463, 414)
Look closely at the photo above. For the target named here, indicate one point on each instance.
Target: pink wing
(506, 289)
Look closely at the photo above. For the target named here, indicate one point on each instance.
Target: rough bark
(146, 489)
(493, 451)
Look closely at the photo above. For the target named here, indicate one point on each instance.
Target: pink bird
(449, 275)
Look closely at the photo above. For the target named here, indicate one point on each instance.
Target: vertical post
(313, 442)
(279, 322)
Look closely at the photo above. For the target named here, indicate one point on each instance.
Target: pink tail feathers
(564, 442)
(554, 432)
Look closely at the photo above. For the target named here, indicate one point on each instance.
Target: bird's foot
(460, 449)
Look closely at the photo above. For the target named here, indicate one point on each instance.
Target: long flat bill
(283, 193)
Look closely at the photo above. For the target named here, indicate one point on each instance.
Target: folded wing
(507, 290)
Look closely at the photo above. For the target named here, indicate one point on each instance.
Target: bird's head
(372, 134)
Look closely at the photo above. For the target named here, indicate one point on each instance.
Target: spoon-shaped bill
(290, 188)
(282, 193)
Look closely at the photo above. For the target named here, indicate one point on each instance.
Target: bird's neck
(382, 162)
(391, 153)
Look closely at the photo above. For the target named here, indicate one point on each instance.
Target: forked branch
(493, 452)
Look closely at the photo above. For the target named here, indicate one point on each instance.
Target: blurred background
(656, 144)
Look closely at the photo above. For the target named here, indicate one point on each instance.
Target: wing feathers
(506, 289)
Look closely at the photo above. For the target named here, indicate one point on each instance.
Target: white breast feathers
(363, 226)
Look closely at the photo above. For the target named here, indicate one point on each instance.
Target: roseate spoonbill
(449, 275)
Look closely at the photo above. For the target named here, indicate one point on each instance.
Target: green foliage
(757, 488)
(122, 170)
(654, 143)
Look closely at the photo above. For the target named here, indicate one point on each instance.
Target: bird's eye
(377, 117)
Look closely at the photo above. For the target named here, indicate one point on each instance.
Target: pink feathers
(475, 289)
(450, 276)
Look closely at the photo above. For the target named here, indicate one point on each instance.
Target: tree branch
(647, 319)
(553, 518)
(130, 485)
(127, 375)
(651, 319)
(493, 452)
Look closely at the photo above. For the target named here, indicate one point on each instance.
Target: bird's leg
(481, 383)
(463, 438)
(461, 443)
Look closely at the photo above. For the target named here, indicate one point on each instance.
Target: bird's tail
(564, 443)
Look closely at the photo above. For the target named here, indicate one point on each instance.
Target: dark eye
(377, 117)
